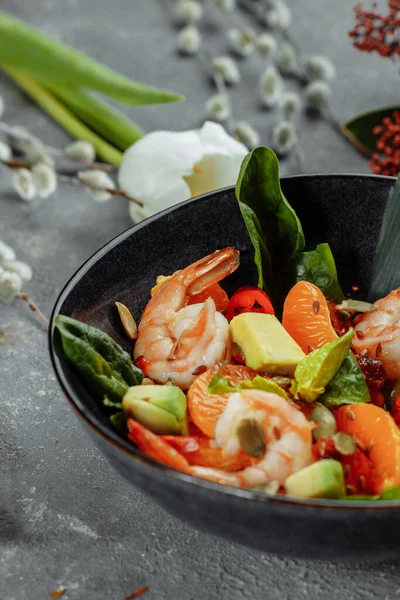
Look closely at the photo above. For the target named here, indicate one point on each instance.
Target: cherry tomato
(249, 299)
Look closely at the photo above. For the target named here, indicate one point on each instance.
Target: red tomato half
(249, 299)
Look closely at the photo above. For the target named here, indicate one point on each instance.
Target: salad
(287, 386)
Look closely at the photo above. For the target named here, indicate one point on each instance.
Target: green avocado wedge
(316, 370)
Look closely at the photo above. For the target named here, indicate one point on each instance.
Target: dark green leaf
(318, 267)
(262, 257)
(276, 228)
(385, 269)
(29, 50)
(359, 129)
(105, 368)
(348, 386)
(118, 421)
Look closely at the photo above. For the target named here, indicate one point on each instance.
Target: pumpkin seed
(325, 421)
(251, 437)
(128, 322)
(344, 443)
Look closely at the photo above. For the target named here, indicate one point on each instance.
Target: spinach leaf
(318, 267)
(272, 223)
(105, 368)
(348, 385)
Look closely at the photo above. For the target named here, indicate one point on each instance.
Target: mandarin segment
(306, 317)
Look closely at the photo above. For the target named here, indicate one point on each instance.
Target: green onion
(63, 116)
(24, 48)
(105, 120)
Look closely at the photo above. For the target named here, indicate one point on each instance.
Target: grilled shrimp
(176, 342)
(378, 331)
(277, 432)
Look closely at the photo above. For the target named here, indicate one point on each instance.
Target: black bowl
(344, 210)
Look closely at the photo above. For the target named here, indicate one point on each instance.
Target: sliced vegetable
(322, 479)
(24, 48)
(306, 317)
(105, 368)
(316, 370)
(160, 408)
(272, 224)
(249, 299)
(348, 386)
(379, 435)
(318, 267)
(265, 344)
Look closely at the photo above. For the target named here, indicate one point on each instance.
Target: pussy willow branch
(34, 307)
(20, 164)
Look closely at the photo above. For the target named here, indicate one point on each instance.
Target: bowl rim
(115, 439)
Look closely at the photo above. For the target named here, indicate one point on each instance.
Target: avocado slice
(322, 479)
(160, 408)
(265, 343)
(318, 368)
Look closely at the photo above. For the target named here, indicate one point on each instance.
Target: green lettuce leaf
(223, 385)
(104, 367)
(318, 267)
(348, 385)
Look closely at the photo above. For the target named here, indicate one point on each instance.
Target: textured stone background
(66, 519)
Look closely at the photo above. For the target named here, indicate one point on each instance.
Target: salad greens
(105, 368)
(348, 386)
(277, 235)
(223, 385)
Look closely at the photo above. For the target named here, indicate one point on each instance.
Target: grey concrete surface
(66, 518)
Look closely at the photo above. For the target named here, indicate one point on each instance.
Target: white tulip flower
(165, 167)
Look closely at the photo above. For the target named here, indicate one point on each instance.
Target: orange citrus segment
(306, 316)
(379, 435)
(204, 408)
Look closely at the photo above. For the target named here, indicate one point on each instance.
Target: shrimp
(378, 332)
(286, 432)
(177, 342)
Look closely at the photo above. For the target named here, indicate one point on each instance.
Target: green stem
(62, 115)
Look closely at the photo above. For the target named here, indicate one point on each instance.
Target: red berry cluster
(387, 160)
(377, 33)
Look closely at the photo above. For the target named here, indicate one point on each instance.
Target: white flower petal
(215, 140)
(10, 286)
(44, 179)
(81, 151)
(6, 252)
(164, 168)
(22, 181)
